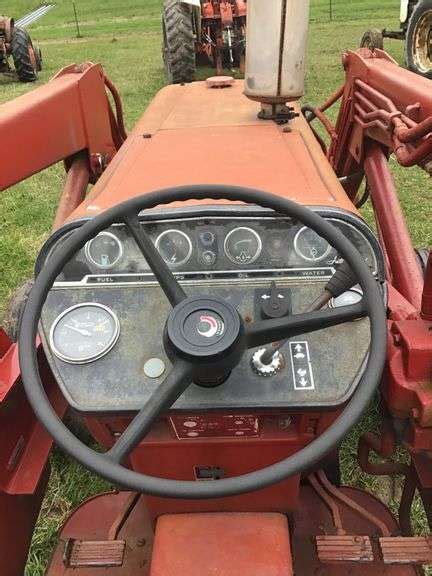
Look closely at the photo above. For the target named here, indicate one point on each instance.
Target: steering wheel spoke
(268, 331)
(172, 289)
(177, 381)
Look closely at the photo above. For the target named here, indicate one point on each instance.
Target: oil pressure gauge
(243, 246)
(84, 333)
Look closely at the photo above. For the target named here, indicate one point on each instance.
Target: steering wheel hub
(205, 330)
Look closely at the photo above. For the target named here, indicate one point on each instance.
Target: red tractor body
(196, 135)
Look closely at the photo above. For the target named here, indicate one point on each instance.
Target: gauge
(242, 246)
(84, 333)
(104, 250)
(174, 246)
(353, 296)
(310, 246)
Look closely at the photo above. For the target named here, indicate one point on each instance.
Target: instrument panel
(213, 245)
(102, 326)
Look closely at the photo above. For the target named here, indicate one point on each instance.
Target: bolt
(287, 129)
(397, 339)
(147, 135)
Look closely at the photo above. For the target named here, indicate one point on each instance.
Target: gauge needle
(79, 330)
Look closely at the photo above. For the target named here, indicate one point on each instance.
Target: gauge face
(243, 246)
(84, 333)
(104, 250)
(174, 246)
(353, 296)
(310, 246)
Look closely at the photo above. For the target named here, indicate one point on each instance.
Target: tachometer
(104, 250)
(310, 246)
(174, 246)
(84, 333)
(243, 246)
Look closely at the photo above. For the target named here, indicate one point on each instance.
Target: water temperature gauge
(310, 246)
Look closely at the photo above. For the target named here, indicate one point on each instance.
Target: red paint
(58, 123)
(426, 309)
(221, 544)
(407, 276)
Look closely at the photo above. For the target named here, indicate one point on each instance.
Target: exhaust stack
(276, 53)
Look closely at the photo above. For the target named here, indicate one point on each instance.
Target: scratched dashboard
(108, 292)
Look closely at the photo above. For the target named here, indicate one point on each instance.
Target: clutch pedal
(94, 553)
(337, 549)
(405, 550)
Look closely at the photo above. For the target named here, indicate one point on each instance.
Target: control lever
(341, 281)
(275, 304)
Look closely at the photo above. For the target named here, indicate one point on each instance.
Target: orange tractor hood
(194, 134)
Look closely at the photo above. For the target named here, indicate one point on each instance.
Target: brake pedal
(405, 550)
(337, 549)
(94, 553)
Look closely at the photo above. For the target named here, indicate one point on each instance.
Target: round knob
(267, 370)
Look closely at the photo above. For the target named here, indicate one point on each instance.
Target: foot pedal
(403, 550)
(94, 553)
(337, 549)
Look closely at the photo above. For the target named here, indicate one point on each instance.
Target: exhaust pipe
(276, 46)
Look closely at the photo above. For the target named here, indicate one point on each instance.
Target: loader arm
(68, 115)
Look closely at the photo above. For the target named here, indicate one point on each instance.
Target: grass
(125, 37)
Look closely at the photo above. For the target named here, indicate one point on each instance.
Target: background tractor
(15, 42)
(202, 32)
(415, 30)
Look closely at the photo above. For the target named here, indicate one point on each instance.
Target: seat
(222, 544)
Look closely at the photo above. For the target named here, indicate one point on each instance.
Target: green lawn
(125, 37)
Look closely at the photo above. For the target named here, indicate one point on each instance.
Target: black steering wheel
(194, 356)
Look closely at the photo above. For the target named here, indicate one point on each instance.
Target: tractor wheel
(38, 56)
(24, 55)
(15, 309)
(372, 39)
(418, 45)
(178, 47)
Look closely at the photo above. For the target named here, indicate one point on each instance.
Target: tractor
(415, 31)
(16, 42)
(204, 33)
(218, 315)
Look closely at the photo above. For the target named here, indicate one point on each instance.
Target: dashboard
(102, 324)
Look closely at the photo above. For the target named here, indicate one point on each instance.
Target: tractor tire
(23, 55)
(15, 309)
(372, 39)
(418, 44)
(38, 56)
(178, 47)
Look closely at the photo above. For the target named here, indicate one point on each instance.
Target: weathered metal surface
(401, 550)
(222, 544)
(335, 549)
(94, 553)
(56, 135)
(245, 151)
(93, 521)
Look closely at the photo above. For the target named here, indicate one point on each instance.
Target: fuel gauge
(104, 250)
